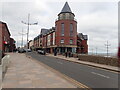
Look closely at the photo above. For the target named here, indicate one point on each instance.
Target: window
(62, 41)
(54, 38)
(63, 16)
(71, 16)
(71, 29)
(71, 41)
(62, 29)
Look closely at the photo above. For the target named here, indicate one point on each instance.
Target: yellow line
(76, 83)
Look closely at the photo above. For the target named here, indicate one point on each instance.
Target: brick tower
(66, 30)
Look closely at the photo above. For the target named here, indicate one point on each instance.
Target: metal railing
(3, 68)
(66, 19)
(0, 56)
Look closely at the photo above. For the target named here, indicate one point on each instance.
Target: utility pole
(28, 23)
(92, 51)
(17, 42)
(96, 50)
(22, 37)
(107, 48)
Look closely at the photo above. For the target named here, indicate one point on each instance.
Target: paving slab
(24, 72)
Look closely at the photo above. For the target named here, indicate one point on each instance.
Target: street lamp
(28, 23)
(22, 37)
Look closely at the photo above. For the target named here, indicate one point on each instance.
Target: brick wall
(12, 45)
(66, 36)
(99, 59)
(82, 46)
(1, 41)
(4, 36)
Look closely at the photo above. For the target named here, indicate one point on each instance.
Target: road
(87, 75)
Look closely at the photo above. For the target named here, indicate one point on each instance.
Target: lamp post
(28, 23)
(96, 50)
(22, 37)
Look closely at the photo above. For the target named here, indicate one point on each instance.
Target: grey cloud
(97, 20)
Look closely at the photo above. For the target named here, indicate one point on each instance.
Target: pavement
(72, 59)
(24, 72)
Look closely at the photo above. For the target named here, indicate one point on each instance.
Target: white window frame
(62, 41)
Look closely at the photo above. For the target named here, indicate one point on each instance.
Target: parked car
(41, 52)
(27, 50)
(21, 50)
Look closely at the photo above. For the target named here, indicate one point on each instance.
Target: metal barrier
(3, 68)
(0, 56)
(5, 62)
(0, 70)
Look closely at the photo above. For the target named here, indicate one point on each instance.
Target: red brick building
(4, 37)
(36, 42)
(45, 40)
(12, 46)
(63, 37)
(49, 40)
(7, 44)
(82, 46)
(66, 30)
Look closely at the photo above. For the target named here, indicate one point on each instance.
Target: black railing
(66, 19)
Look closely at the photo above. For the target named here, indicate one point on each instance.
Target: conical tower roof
(66, 9)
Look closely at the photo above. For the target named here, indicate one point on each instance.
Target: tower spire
(66, 9)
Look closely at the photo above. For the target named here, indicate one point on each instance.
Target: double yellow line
(74, 82)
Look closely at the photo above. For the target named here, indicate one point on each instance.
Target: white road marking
(59, 62)
(100, 75)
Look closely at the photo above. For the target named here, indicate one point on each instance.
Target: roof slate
(85, 37)
(66, 8)
(44, 31)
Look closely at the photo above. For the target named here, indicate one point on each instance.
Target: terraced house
(4, 37)
(7, 44)
(63, 37)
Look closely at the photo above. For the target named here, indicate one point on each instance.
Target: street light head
(36, 23)
(23, 22)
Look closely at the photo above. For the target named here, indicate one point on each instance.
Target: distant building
(49, 40)
(82, 46)
(4, 37)
(63, 37)
(31, 45)
(7, 44)
(36, 42)
(12, 47)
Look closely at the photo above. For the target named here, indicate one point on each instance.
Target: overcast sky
(96, 18)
